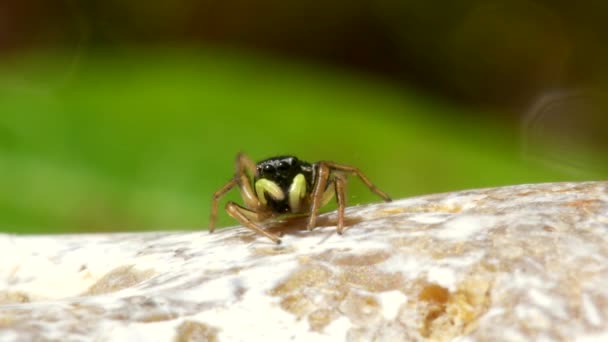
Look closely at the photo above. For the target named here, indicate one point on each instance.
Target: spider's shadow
(291, 225)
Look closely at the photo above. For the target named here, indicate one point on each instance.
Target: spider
(285, 185)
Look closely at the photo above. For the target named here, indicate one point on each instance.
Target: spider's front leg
(242, 164)
(247, 217)
(215, 199)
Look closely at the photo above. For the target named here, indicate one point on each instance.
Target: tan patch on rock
(191, 331)
(362, 309)
(446, 314)
(13, 297)
(6, 321)
(548, 228)
(311, 292)
(274, 250)
(119, 278)
(445, 208)
(313, 275)
(588, 206)
(371, 279)
(349, 259)
(434, 299)
(372, 258)
(320, 294)
(396, 210)
(298, 305)
(157, 317)
(320, 318)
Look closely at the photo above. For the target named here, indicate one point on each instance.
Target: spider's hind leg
(323, 174)
(340, 188)
(355, 171)
(329, 172)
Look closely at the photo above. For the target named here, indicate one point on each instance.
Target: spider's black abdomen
(282, 170)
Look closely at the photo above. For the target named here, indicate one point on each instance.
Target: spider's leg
(329, 193)
(246, 217)
(340, 186)
(323, 174)
(216, 196)
(243, 165)
(355, 171)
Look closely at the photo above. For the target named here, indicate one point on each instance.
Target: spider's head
(283, 182)
(280, 170)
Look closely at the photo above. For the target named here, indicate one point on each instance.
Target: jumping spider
(285, 185)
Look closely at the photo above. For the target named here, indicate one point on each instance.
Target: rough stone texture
(510, 264)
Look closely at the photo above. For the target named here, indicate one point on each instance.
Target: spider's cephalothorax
(281, 183)
(286, 185)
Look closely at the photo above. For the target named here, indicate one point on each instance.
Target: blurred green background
(126, 115)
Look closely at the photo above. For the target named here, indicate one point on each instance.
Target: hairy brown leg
(340, 186)
(317, 194)
(355, 171)
(244, 164)
(243, 215)
(216, 197)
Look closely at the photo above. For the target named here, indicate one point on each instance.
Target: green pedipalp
(297, 191)
(263, 186)
(327, 196)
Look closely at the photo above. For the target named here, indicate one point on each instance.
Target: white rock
(511, 263)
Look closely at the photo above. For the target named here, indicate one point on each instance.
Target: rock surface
(510, 264)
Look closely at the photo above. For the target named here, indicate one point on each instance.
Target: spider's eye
(268, 169)
(284, 165)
